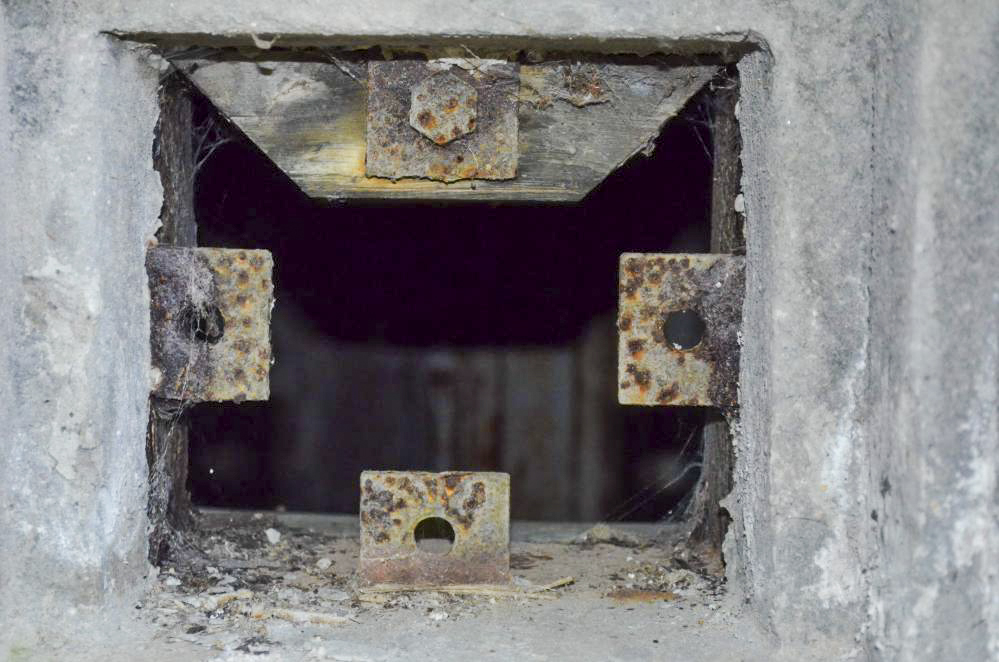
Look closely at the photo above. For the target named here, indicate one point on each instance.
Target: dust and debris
(231, 590)
(526, 560)
(640, 595)
(604, 533)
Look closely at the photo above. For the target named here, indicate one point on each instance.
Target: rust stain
(641, 376)
(580, 84)
(635, 347)
(427, 120)
(430, 107)
(668, 394)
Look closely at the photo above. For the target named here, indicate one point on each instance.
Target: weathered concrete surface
(78, 201)
(869, 366)
(932, 493)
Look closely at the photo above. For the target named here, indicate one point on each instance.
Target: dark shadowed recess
(381, 289)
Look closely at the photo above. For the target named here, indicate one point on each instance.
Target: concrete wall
(932, 434)
(78, 201)
(867, 460)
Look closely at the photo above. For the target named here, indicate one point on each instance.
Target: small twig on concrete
(491, 590)
(260, 612)
(558, 583)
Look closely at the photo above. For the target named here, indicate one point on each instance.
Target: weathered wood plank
(577, 123)
(169, 505)
(709, 517)
(483, 408)
(599, 458)
(538, 434)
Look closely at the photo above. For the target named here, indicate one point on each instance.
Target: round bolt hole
(202, 324)
(434, 535)
(683, 329)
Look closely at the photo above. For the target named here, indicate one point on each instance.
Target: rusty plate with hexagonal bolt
(435, 529)
(679, 317)
(210, 311)
(437, 120)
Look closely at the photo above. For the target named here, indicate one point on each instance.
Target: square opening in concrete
(447, 336)
(452, 336)
(443, 335)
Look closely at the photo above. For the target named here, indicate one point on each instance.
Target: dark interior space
(447, 336)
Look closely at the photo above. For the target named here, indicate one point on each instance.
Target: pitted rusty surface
(581, 84)
(443, 107)
(651, 369)
(475, 504)
(210, 323)
(463, 127)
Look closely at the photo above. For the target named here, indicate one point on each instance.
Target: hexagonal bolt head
(443, 108)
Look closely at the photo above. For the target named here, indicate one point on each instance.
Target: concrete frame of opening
(865, 490)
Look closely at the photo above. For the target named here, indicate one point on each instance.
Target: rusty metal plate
(210, 314)
(655, 291)
(396, 504)
(437, 120)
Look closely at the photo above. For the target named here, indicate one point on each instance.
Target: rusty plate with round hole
(435, 529)
(678, 323)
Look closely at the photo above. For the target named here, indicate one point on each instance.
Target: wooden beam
(577, 123)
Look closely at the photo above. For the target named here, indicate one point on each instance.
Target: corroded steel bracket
(444, 122)
(210, 310)
(652, 368)
(476, 505)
